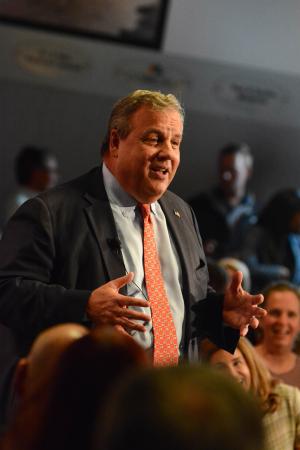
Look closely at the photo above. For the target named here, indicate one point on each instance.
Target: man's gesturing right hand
(106, 306)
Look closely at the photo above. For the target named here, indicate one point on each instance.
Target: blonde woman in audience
(280, 328)
(279, 402)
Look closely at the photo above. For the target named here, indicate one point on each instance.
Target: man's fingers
(118, 283)
(130, 325)
(244, 330)
(121, 330)
(258, 312)
(132, 314)
(124, 300)
(254, 322)
(257, 299)
(236, 282)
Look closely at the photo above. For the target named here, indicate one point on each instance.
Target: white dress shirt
(129, 226)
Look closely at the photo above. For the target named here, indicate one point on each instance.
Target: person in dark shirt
(225, 213)
(272, 247)
(36, 170)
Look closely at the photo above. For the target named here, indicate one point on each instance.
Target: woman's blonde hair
(261, 382)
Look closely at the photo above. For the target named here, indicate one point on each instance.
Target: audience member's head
(281, 214)
(180, 408)
(33, 382)
(232, 265)
(36, 169)
(235, 169)
(218, 277)
(34, 372)
(87, 372)
(246, 367)
(281, 325)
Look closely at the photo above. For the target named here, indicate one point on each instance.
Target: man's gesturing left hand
(240, 308)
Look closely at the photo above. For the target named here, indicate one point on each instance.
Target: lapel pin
(177, 213)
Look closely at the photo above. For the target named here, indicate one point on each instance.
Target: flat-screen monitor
(138, 22)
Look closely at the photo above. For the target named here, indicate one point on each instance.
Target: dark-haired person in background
(272, 247)
(226, 212)
(36, 170)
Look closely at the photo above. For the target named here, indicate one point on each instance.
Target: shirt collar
(117, 195)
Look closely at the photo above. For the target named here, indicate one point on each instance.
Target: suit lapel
(175, 223)
(101, 221)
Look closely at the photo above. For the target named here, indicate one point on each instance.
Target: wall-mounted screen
(138, 22)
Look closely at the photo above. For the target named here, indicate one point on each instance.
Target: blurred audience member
(280, 328)
(272, 248)
(33, 378)
(280, 403)
(36, 170)
(218, 277)
(232, 265)
(180, 408)
(87, 372)
(34, 372)
(225, 213)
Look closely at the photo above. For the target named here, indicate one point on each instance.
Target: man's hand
(240, 308)
(107, 306)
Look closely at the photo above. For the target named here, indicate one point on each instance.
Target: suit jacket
(58, 247)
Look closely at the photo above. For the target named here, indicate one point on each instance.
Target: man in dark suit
(75, 253)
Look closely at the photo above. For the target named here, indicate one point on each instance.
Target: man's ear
(114, 141)
(20, 377)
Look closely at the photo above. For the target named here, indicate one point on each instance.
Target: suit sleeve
(208, 316)
(29, 299)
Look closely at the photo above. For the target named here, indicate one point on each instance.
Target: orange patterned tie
(164, 332)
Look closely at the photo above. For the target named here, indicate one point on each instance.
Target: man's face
(282, 323)
(233, 173)
(146, 161)
(235, 365)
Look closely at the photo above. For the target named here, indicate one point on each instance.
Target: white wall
(256, 33)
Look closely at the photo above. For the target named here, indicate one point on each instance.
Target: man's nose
(166, 150)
